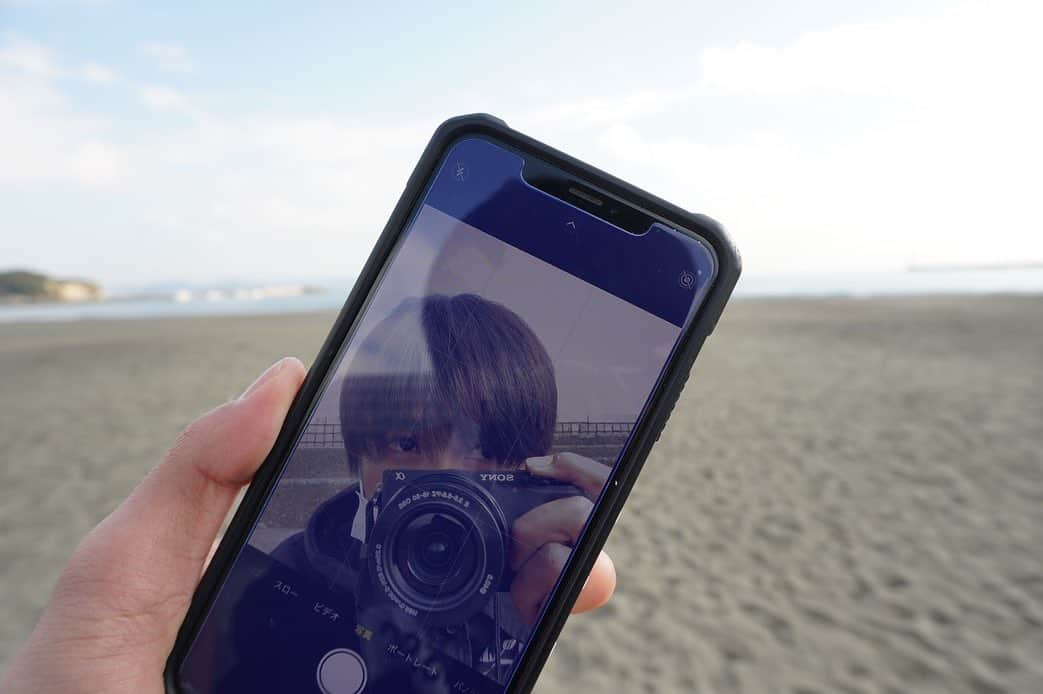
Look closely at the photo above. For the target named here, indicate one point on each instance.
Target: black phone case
(646, 431)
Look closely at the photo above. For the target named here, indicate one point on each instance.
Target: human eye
(405, 443)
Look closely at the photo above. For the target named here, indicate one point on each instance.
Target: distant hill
(18, 286)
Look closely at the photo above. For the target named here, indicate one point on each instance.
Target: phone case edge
(626, 473)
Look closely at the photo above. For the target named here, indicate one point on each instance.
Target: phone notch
(559, 184)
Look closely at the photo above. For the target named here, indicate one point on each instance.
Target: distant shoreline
(109, 312)
(300, 298)
(20, 286)
(24, 300)
(984, 267)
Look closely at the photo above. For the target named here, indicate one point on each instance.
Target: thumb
(589, 475)
(181, 504)
(159, 537)
(117, 606)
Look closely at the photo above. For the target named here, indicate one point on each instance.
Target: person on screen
(452, 383)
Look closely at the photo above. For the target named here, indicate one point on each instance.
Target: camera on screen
(439, 542)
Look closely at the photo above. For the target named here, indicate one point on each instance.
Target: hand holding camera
(544, 536)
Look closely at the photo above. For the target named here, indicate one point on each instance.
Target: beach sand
(848, 497)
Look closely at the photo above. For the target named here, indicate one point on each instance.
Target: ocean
(331, 296)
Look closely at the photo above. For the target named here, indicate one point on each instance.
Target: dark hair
(442, 360)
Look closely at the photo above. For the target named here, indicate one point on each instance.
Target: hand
(542, 539)
(117, 606)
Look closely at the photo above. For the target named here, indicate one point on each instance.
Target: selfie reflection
(447, 471)
(443, 408)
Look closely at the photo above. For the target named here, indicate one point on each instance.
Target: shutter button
(341, 671)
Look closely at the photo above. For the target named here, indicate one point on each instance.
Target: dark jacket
(326, 546)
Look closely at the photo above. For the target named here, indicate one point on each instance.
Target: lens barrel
(439, 548)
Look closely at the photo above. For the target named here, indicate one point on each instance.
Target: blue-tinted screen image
(454, 456)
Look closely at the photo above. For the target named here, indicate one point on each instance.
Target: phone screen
(458, 447)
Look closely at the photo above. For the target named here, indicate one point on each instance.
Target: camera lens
(436, 553)
(439, 548)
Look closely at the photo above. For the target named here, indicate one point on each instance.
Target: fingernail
(268, 375)
(539, 463)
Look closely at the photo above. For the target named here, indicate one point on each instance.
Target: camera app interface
(474, 415)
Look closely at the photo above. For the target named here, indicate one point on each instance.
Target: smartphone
(467, 434)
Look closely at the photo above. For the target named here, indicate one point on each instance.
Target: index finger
(589, 475)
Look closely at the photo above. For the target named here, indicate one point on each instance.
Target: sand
(848, 498)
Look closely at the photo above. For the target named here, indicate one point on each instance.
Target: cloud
(172, 57)
(286, 180)
(43, 136)
(95, 163)
(594, 111)
(28, 57)
(45, 141)
(862, 147)
(909, 56)
(98, 74)
(161, 98)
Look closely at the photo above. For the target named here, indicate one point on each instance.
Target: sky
(206, 142)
